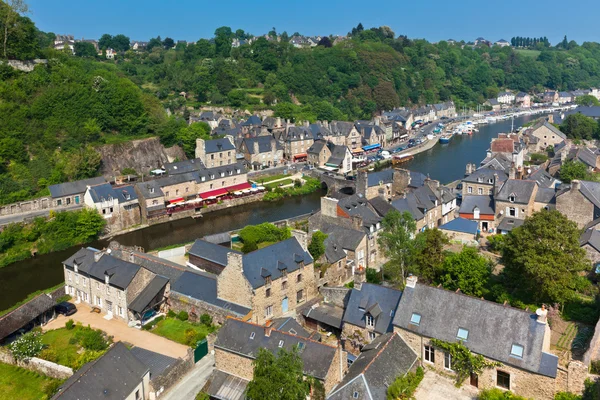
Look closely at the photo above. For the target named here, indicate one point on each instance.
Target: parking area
(437, 387)
(121, 332)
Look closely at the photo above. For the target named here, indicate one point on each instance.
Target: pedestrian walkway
(189, 386)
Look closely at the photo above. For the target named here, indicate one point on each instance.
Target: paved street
(437, 387)
(189, 386)
(9, 219)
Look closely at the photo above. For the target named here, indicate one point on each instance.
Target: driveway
(121, 332)
(437, 387)
(189, 386)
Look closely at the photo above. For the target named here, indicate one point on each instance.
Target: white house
(506, 98)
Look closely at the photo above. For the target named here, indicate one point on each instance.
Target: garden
(178, 328)
(310, 185)
(23, 384)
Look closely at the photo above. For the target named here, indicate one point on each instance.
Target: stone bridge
(335, 183)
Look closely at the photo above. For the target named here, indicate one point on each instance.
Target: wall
(232, 285)
(234, 364)
(44, 367)
(41, 203)
(195, 308)
(576, 207)
(205, 264)
(336, 296)
(337, 370)
(172, 374)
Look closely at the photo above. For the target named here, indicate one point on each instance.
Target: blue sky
(430, 19)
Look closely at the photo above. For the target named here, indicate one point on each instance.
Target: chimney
(411, 281)
(563, 155)
(98, 255)
(377, 121)
(278, 122)
(131, 257)
(550, 118)
(306, 123)
(230, 138)
(273, 145)
(326, 124)
(301, 237)
(268, 328)
(256, 149)
(106, 278)
(542, 314)
(512, 173)
(496, 185)
(359, 277)
(575, 185)
(357, 222)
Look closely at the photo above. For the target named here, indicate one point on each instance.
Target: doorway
(474, 381)
(109, 309)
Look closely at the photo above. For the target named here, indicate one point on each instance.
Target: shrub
(86, 357)
(249, 246)
(66, 297)
(70, 324)
(202, 396)
(497, 394)
(297, 183)
(373, 276)
(404, 386)
(595, 367)
(206, 319)
(171, 314)
(92, 339)
(128, 171)
(183, 316)
(51, 387)
(566, 396)
(27, 346)
(192, 337)
(495, 242)
(49, 355)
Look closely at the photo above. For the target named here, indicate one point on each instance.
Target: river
(445, 163)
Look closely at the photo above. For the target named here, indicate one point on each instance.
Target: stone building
(296, 143)
(542, 135)
(71, 193)
(482, 181)
(328, 155)
(216, 152)
(515, 200)
(480, 209)
(261, 152)
(590, 242)
(239, 342)
(580, 203)
(119, 206)
(516, 338)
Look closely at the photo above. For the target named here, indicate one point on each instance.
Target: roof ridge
(22, 305)
(379, 352)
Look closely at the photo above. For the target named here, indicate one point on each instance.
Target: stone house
(516, 199)
(380, 362)
(71, 193)
(318, 153)
(352, 137)
(447, 110)
(523, 100)
(296, 143)
(493, 104)
(482, 181)
(564, 97)
(542, 135)
(117, 375)
(119, 206)
(516, 338)
(216, 152)
(238, 343)
(330, 156)
(590, 242)
(373, 135)
(506, 98)
(271, 282)
(121, 289)
(36, 312)
(261, 152)
(480, 209)
(580, 203)
(550, 97)
(509, 146)
(209, 257)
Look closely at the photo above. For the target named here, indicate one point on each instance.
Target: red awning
(301, 155)
(177, 200)
(225, 190)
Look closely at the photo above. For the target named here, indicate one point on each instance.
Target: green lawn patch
(528, 53)
(58, 342)
(22, 384)
(284, 182)
(74, 347)
(175, 330)
(272, 178)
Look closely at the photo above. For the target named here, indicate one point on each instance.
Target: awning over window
(225, 190)
(177, 200)
(371, 147)
(359, 150)
(301, 155)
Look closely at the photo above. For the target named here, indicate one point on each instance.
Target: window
(355, 395)
(512, 212)
(268, 311)
(479, 191)
(203, 178)
(429, 354)
(370, 320)
(511, 198)
(469, 190)
(111, 209)
(176, 192)
(69, 275)
(107, 289)
(76, 278)
(98, 301)
(299, 277)
(211, 185)
(167, 194)
(118, 294)
(516, 351)
(151, 190)
(462, 334)
(98, 285)
(503, 379)
(300, 296)
(280, 345)
(137, 395)
(415, 319)
(268, 292)
(59, 202)
(212, 156)
(267, 280)
(448, 361)
(252, 335)
(283, 285)
(154, 202)
(372, 336)
(120, 309)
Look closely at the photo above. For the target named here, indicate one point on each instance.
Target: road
(9, 219)
(189, 386)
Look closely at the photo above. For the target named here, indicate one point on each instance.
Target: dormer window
(463, 334)
(490, 180)
(512, 198)
(370, 320)
(415, 319)
(75, 267)
(222, 174)
(479, 180)
(237, 170)
(230, 173)
(212, 176)
(516, 351)
(151, 190)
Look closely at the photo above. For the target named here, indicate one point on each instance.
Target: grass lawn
(22, 384)
(58, 340)
(528, 53)
(174, 329)
(277, 184)
(272, 178)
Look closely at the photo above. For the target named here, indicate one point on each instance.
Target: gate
(201, 350)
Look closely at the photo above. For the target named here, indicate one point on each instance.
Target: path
(189, 386)
(121, 332)
(9, 219)
(437, 387)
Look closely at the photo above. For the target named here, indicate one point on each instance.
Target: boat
(402, 158)
(445, 139)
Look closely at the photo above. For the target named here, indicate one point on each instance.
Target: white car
(386, 155)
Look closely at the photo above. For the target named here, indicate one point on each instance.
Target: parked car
(66, 308)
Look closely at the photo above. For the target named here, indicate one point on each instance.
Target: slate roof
(317, 147)
(71, 188)
(224, 386)
(347, 239)
(111, 377)
(235, 336)
(333, 251)
(383, 176)
(24, 314)
(291, 326)
(327, 314)
(587, 156)
(264, 144)
(509, 223)
(121, 272)
(461, 225)
(203, 286)
(591, 190)
(338, 153)
(409, 204)
(105, 191)
(381, 205)
(357, 205)
(493, 102)
(156, 362)
(379, 301)
(217, 145)
(211, 251)
(152, 289)
(484, 175)
(521, 189)
(185, 166)
(588, 111)
(546, 195)
(252, 121)
(156, 265)
(377, 367)
(591, 237)
(492, 328)
(484, 203)
(543, 178)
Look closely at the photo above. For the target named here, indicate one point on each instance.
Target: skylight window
(301, 346)
(252, 335)
(516, 351)
(415, 319)
(462, 334)
(281, 343)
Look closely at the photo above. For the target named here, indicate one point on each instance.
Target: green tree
(85, 49)
(120, 43)
(316, 247)
(277, 377)
(578, 126)
(396, 240)
(429, 254)
(12, 11)
(168, 43)
(587, 100)
(105, 41)
(571, 170)
(223, 36)
(89, 224)
(187, 136)
(467, 271)
(543, 258)
(237, 98)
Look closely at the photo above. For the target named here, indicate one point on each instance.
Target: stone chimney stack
(563, 155)
(302, 238)
(512, 173)
(357, 222)
(326, 124)
(98, 255)
(496, 185)
(542, 314)
(131, 257)
(201, 150)
(273, 145)
(256, 149)
(362, 183)
(306, 123)
(411, 281)
(359, 277)
(377, 121)
(550, 118)
(329, 207)
(575, 184)
(268, 328)
(278, 122)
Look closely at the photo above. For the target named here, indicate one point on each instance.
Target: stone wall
(575, 206)
(25, 65)
(172, 374)
(234, 364)
(337, 370)
(232, 285)
(195, 308)
(41, 203)
(44, 367)
(336, 296)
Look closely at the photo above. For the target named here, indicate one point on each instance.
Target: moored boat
(445, 139)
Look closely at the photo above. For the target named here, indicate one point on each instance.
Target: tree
(12, 11)
(187, 136)
(578, 126)
(587, 100)
(120, 43)
(168, 43)
(278, 377)
(105, 41)
(237, 97)
(571, 170)
(85, 49)
(396, 240)
(154, 42)
(223, 36)
(467, 271)
(325, 42)
(316, 247)
(429, 254)
(543, 258)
